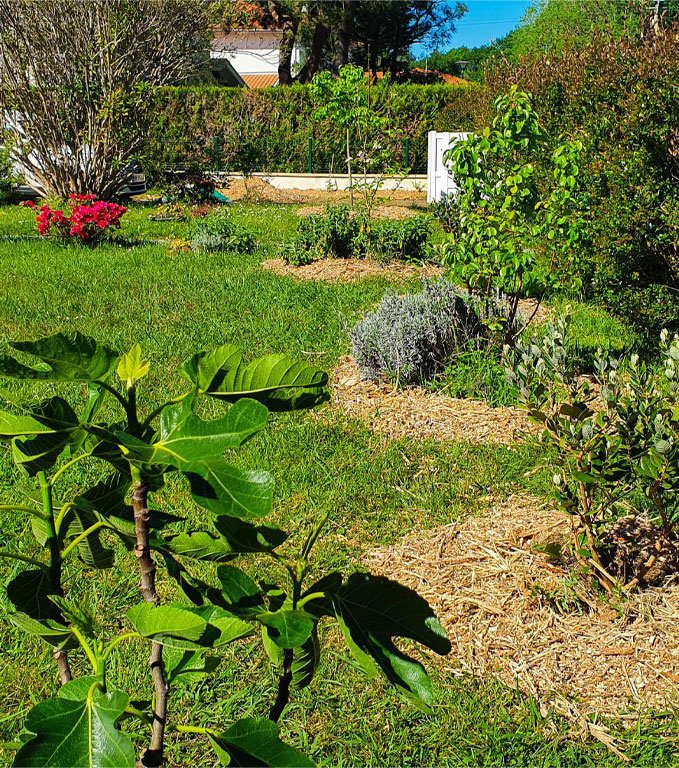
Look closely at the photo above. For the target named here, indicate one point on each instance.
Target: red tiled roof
(260, 81)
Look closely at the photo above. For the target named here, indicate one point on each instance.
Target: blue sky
(485, 20)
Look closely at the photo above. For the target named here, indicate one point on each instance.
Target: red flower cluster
(88, 221)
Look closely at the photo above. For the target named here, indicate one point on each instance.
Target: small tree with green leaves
(83, 724)
(614, 461)
(346, 100)
(501, 218)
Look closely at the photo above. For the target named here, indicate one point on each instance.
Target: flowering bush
(88, 221)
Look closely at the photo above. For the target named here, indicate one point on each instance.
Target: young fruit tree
(76, 78)
(346, 99)
(211, 556)
(501, 217)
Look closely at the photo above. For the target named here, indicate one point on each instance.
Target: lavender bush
(409, 339)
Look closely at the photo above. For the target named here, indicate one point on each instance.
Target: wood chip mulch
(487, 585)
(343, 270)
(416, 413)
(379, 212)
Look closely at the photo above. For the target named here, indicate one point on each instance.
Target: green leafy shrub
(331, 234)
(6, 176)
(409, 339)
(400, 239)
(279, 121)
(501, 216)
(619, 99)
(88, 722)
(342, 233)
(615, 462)
(219, 232)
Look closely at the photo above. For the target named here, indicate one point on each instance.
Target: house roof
(260, 81)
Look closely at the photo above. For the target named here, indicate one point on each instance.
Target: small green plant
(83, 724)
(394, 239)
(499, 217)
(615, 460)
(346, 99)
(219, 232)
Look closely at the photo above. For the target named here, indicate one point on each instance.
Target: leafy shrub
(89, 220)
(220, 232)
(331, 234)
(88, 722)
(619, 99)
(410, 338)
(279, 121)
(502, 215)
(615, 462)
(341, 233)
(406, 239)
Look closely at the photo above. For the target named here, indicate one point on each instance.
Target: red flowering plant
(88, 221)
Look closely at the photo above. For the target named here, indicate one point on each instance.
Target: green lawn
(174, 303)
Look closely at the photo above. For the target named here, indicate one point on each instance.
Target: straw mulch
(257, 190)
(487, 585)
(379, 212)
(343, 270)
(414, 412)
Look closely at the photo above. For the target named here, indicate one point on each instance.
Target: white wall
(251, 51)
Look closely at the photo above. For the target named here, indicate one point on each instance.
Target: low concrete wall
(331, 181)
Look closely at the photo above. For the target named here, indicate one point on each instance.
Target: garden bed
(487, 585)
(380, 211)
(414, 412)
(342, 270)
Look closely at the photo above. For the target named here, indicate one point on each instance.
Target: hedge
(206, 125)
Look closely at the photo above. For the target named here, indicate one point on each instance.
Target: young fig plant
(88, 722)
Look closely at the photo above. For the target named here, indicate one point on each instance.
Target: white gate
(439, 180)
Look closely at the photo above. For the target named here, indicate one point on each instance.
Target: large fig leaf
(241, 592)
(278, 381)
(187, 628)
(68, 357)
(226, 490)
(77, 733)
(185, 438)
(287, 628)
(255, 742)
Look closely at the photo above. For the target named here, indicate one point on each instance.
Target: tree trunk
(341, 56)
(351, 181)
(153, 756)
(285, 52)
(313, 59)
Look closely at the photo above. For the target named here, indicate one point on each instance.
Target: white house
(249, 56)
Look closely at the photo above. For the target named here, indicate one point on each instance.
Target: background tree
(75, 79)
(384, 30)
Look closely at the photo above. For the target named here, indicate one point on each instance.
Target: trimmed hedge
(276, 124)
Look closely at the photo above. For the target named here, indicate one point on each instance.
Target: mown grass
(376, 490)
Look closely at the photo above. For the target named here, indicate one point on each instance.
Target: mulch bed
(419, 414)
(259, 191)
(487, 585)
(379, 212)
(344, 270)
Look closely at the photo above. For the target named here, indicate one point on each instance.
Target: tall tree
(75, 77)
(385, 30)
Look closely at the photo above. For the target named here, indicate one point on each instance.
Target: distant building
(249, 57)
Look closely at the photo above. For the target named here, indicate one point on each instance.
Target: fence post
(309, 163)
(407, 158)
(215, 153)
